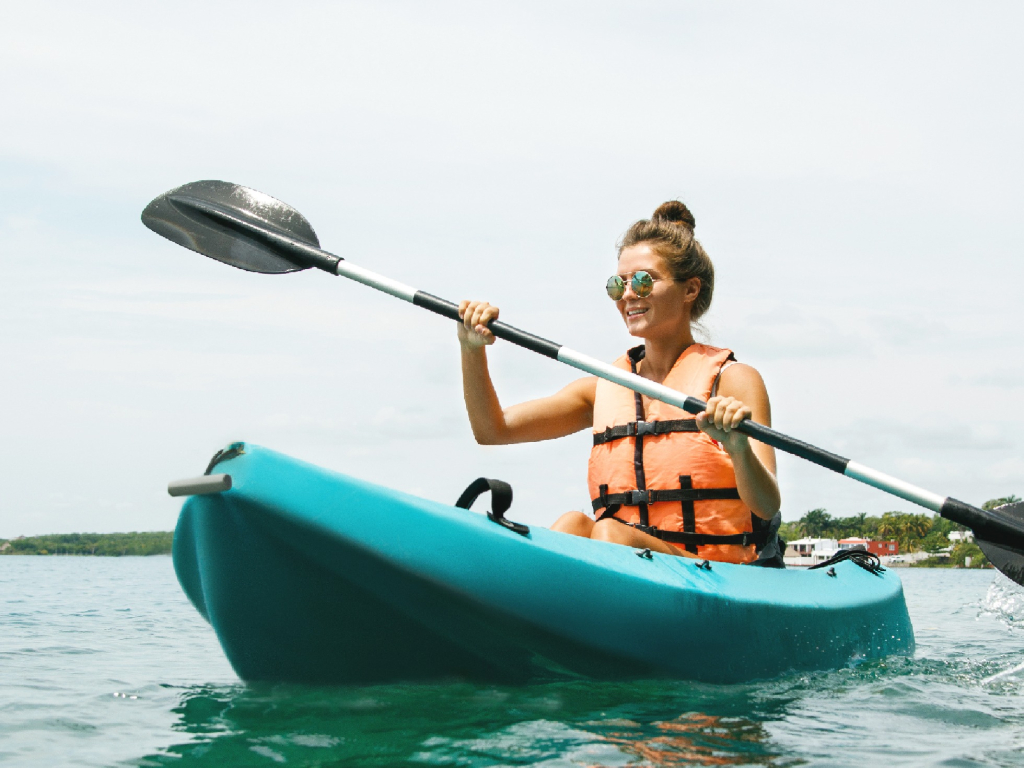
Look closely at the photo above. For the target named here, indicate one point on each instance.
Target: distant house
(880, 548)
(810, 551)
(957, 537)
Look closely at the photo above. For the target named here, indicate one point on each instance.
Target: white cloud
(854, 171)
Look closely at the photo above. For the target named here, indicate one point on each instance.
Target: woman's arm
(563, 413)
(742, 395)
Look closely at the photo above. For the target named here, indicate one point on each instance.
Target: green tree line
(105, 544)
(914, 532)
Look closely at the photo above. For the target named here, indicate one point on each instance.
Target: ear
(691, 289)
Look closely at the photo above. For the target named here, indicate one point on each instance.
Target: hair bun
(675, 212)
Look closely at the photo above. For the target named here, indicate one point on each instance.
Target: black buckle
(636, 498)
(646, 428)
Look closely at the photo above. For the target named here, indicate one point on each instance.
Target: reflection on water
(891, 711)
(460, 724)
(694, 738)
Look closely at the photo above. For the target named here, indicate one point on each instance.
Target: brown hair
(670, 234)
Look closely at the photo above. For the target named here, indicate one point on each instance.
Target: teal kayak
(307, 575)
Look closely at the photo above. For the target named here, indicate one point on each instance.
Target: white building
(810, 551)
(955, 537)
(853, 543)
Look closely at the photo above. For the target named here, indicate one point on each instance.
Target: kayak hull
(310, 576)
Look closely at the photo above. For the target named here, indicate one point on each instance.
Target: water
(104, 662)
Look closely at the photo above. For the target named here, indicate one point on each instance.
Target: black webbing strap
(689, 513)
(635, 355)
(609, 509)
(501, 500)
(757, 538)
(638, 498)
(643, 428)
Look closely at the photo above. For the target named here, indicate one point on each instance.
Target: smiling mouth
(635, 312)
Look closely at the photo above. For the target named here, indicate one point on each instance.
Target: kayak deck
(310, 576)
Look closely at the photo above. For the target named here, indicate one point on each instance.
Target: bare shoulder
(743, 382)
(742, 377)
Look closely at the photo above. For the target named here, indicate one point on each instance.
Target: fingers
(723, 414)
(474, 313)
(476, 316)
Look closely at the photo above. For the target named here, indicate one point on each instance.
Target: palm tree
(913, 529)
(889, 527)
(816, 523)
(907, 529)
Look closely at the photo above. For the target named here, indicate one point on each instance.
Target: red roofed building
(880, 548)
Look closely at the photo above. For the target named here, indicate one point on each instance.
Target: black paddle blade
(224, 221)
(1007, 558)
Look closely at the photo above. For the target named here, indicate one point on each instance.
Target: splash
(1005, 673)
(1005, 599)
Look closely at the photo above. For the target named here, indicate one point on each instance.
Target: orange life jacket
(658, 472)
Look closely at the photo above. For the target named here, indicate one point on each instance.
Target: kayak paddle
(255, 232)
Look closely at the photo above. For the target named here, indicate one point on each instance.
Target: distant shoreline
(91, 544)
(159, 543)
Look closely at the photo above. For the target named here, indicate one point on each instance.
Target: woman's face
(666, 310)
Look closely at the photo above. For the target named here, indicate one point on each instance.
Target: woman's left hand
(720, 419)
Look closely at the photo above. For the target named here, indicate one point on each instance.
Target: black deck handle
(501, 500)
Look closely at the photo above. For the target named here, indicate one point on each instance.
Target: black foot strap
(869, 561)
(501, 500)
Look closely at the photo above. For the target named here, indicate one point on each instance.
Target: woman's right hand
(473, 330)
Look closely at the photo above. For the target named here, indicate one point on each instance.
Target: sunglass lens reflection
(616, 287)
(642, 284)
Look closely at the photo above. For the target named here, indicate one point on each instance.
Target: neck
(661, 355)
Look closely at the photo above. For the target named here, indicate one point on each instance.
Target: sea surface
(103, 661)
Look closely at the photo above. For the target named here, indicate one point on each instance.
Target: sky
(855, 169)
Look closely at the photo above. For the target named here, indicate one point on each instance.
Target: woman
(659, 478)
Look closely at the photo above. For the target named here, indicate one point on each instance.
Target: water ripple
(111, 665)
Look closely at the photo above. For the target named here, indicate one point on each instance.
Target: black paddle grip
(791, 445)
(811, 453)
(504, 331)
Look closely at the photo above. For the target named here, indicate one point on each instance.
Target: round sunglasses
(642, 284)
